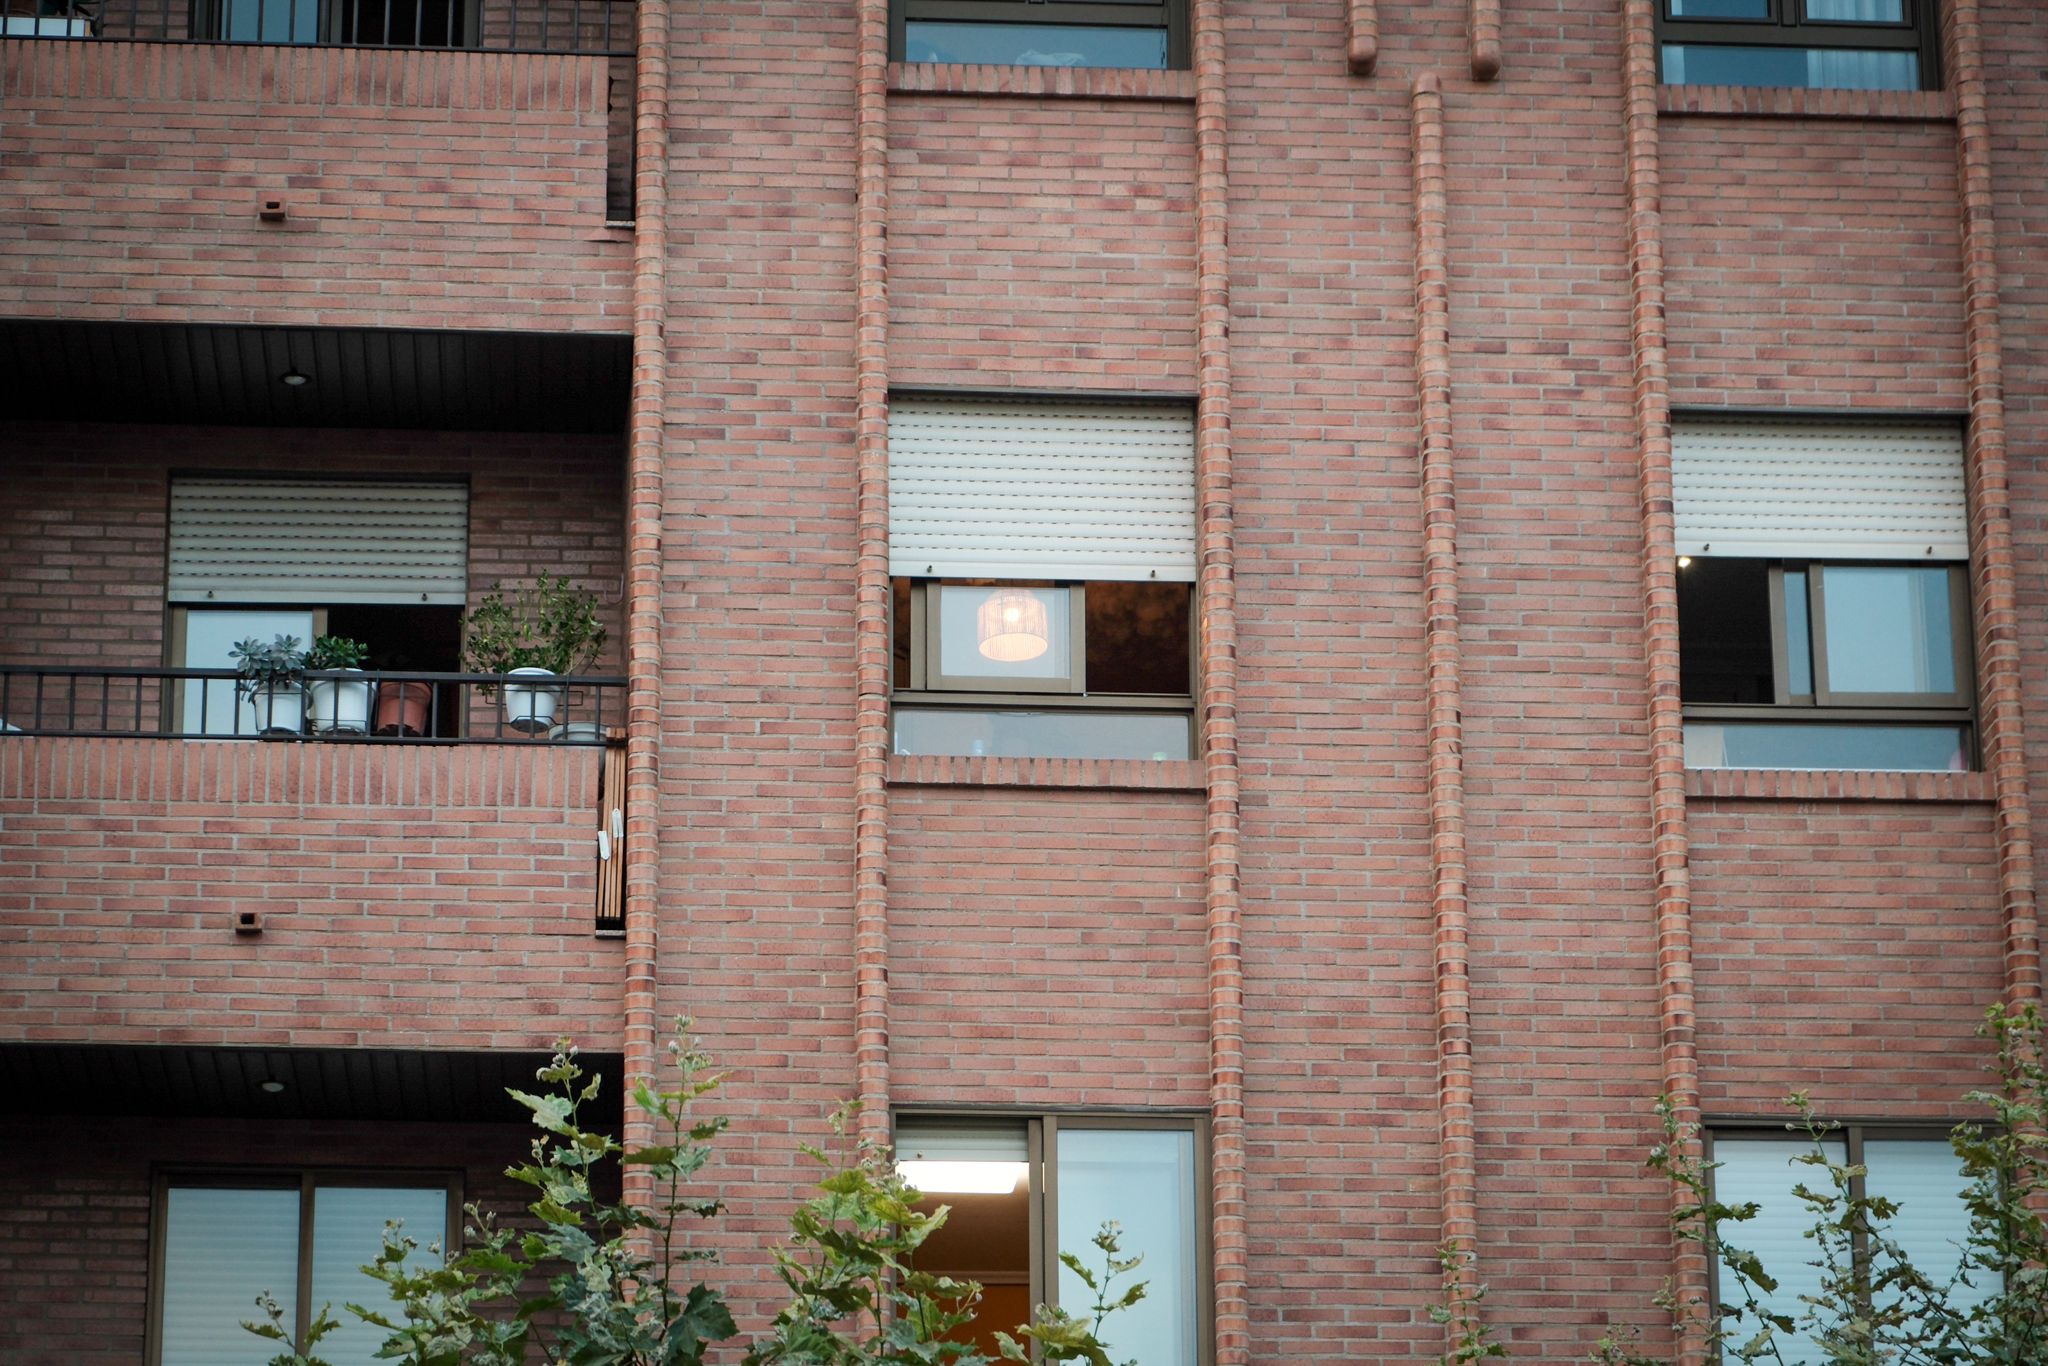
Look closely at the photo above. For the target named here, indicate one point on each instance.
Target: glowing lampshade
(962, 1178)
(1014, 626)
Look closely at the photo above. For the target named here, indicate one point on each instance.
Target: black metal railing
(598, 28)
(375, 706)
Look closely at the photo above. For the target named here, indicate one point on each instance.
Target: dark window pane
(1850, 744)
(1724, 631)
(1720, 9)
(270, 21)
(1798, 635)
(1034, 44)
(1138, 637)
(899, 622)
(1809, 68)
(1055, 733)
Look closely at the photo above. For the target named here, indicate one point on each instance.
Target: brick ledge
(1837, 785)
(936, 770)
(1045, 82)
(1918, 106)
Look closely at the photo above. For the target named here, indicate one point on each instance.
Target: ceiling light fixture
(1014, 626)
(271, 1087)
(963, 1178)
(292, 379)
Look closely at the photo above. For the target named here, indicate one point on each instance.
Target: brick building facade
(1465, 858)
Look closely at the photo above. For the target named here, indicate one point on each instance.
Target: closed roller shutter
(317, 541)
(990, 489)
(1845, 490)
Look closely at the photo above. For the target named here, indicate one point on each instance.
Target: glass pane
(270, 21)
(899, 632)
(1844, 744)
(1004, 632)
(1857, 11)
(1138, 637)
(1766, 1170)
(1808, 68)
(1143, 1179)
(979, 1169)
(1888, 630)
(1924, 1177)
(348, 1231)
(1034, 44)
(211, 706)
(1720, 9)
(1058, 733)
(1798, 635)
(221, 1249)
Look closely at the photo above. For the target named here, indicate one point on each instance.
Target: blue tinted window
(1033, 44)
(1811, 68)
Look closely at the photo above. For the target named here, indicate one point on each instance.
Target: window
(222, 1240)
(1116, 33)
(361, 23)
(1024, 1189)
(1807, 637)
(1043, 557)
(1916, 1169)
(1817, 44)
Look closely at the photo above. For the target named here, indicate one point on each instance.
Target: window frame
(1853, 1132)
(307, 1181)
(1788, 27)
(1824, 705)
(1172, 15)
(1041, 1138)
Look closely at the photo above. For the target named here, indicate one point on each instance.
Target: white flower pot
(531, 707)
(340, 706)
(279, 710)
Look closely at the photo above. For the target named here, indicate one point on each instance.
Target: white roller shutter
(318, 541)
(1021, 489)
(1847, 489)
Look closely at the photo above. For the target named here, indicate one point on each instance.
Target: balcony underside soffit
(191, 373)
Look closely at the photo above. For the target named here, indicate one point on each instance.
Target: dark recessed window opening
(1811, 44)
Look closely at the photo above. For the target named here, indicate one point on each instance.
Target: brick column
(1457, 1157)
(1992, 569)
(643, 569)
(1482, 22)
(1362, 36)
(1660, 624)
(1222, 896)
(872, 662)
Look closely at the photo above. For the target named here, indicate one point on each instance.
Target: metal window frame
(1041, 1136)
(1171, 15)
(1853, 1132)
(307, 1180)
(1788, 26)
(1824, 705)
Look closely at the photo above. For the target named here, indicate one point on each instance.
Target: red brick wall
(82, 528)
(1846, 948)
(415, 896)
(1047, 948)
(1044, 243)
(435, 189)
(1813, 263)
(75, 1221)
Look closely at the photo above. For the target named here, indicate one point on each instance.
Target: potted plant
(273, 680)
(341, 706)
(547, 629)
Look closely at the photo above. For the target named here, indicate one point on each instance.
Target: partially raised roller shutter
(991, 489)
(1840, 489)
(317, 541)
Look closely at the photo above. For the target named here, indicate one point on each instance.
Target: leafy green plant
(1459, 1311)
(548, 625)
(1061, 1336)
(296, 1353)
(278, 666)
(2007, 1166)
(337, 652)
(438, 1309)
(856, 1299)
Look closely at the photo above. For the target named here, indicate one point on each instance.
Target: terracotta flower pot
(403, 708)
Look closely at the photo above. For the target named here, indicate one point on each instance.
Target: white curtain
(1845, 69)
(1857, 11)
